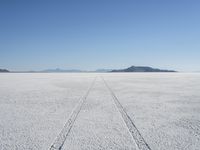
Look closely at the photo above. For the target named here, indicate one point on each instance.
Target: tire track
(60, 139)
(99, 125)
(141, 143)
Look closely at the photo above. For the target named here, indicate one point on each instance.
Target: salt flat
(99, 124)
(34, 107)
(164, 107)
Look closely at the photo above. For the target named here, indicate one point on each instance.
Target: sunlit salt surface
(165, 108)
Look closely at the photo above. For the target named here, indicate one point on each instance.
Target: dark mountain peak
(142, 69)
(4, 70)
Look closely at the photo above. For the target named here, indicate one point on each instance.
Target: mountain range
(129, 69)
(4, 70)
(142, 69)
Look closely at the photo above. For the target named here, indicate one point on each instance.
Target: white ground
(34, 107)
(164, 107)
(99, 124)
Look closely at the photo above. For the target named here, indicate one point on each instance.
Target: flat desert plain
(96, 111)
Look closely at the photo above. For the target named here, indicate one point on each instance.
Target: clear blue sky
(92, 34)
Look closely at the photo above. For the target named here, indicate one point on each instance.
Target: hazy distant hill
(141, 69)
(103, 70)
(4, 70)
(130, 69)
(61, 70)
(75, 70)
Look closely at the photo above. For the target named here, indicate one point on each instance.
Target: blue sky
(92, 34)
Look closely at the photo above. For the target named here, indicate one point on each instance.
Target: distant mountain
(60, 70)
(103, 70)
(4, 70)
(142, 69)
(74, 70)
(130, 69)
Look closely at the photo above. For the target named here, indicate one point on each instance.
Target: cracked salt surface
(35, 107)
(165, 108)
(60, 139)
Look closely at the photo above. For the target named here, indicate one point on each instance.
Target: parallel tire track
(60, 139)
(141, 143)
